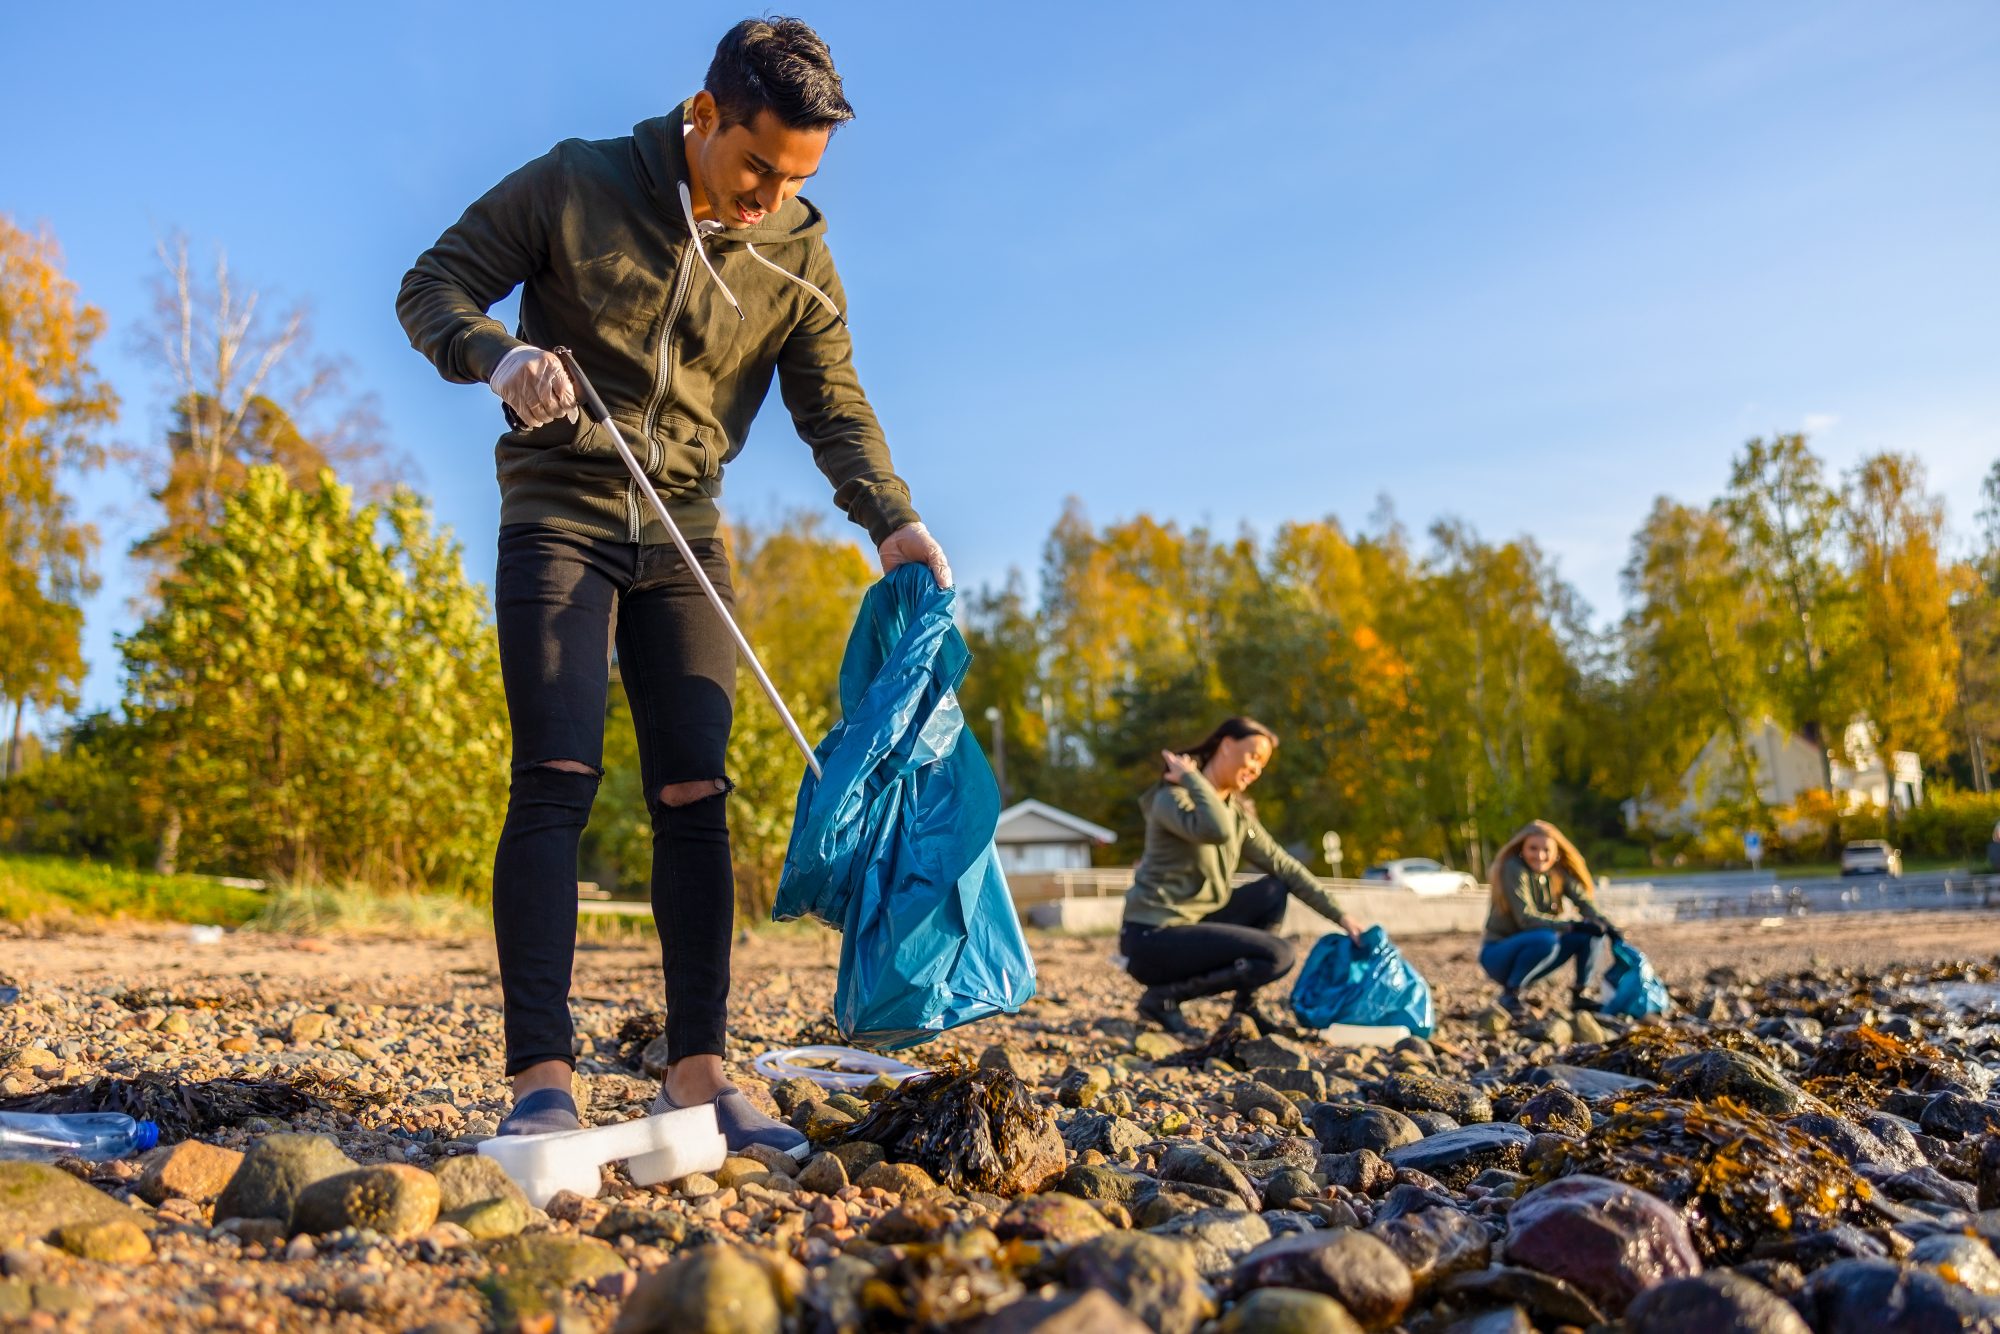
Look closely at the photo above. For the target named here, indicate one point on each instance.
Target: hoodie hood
(662, 151)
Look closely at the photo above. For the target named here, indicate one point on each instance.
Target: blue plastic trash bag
(893, 845)
(1371, 984)
(1631, 987)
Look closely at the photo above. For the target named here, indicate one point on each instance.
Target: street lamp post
(994, 716)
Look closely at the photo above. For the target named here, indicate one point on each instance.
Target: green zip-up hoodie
(1195, 840)
(1525, 900)
(596, 235)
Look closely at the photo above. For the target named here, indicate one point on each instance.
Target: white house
(1787, 767)
(1034, 836)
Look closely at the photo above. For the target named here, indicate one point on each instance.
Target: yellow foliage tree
(53, 405)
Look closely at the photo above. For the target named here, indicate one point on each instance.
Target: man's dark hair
(780, 65)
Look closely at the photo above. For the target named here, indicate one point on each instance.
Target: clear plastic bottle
(44, 1137)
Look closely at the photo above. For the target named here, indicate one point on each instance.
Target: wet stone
(1555, 1110)
(1543, 1295)
(1927, 1183)
(1251, 1096)
(1100, 1182)
(794, 1093)
(1434, 1244)
(1588, 1084)
(1089, 1312)
(1432, 1123)
(1286, 1311)
(1407, 1091)
(1608, 1239)
(1883, 1297)
(1287, 1186)
(1457, 1156)
(1714, 1303)
(1166, 1201)
(1953, 1116)
(1153, 1277)
(1344, 1127)
(1853, 1144)
(1498, 1320)
(1199, 1165)
(1083, 1087)
(1359, 1271)
(1736, 1075)
(1109, 1135)
(1966, 1261)
(1061, 1220)
(1361, 1170)
(713, 1290)
(823, 1174)
(1220, 1237)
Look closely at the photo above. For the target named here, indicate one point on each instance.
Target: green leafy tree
(53, 408)
(1783, 519)
(1690, 638)
(319, 694)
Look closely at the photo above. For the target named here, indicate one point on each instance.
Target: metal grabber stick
(593, 406)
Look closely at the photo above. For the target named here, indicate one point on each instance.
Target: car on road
(1421, 875)
(1871, 856)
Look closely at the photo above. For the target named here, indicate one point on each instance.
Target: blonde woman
(1527, 935)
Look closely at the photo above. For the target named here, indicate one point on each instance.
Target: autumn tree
(1904, 666)
(53, 409)
(245, 389)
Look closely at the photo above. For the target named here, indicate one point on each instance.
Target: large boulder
(1359, 1271)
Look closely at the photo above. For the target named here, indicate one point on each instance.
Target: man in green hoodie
(684, 270)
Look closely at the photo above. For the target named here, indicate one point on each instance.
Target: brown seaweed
(184, 1110)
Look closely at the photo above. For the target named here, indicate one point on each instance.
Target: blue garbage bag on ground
(893, 845)
(1370, 984)
(1630, 986)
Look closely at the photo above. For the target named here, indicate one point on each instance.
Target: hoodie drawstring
(695, 232)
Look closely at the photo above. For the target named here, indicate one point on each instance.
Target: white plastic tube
(851, 1067)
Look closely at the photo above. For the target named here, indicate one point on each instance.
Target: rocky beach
(1808, 1143)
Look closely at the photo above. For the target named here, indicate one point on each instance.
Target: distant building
(1034, 836)
(1788, 766)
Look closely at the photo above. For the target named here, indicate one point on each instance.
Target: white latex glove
(912, 544)
(533, 383)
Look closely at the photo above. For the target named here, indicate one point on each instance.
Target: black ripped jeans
(1241, 934)
(560, 600)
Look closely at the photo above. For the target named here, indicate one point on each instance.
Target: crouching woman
(1188, 931)
(1535, 876)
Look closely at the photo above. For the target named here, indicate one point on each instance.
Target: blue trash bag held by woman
(893, 845)
(1631, 987)
(1373, 983)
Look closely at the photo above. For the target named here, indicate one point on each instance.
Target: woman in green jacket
(1189, 931)
(1535, 875)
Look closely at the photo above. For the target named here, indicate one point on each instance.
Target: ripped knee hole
(568, 767)
(684, 794)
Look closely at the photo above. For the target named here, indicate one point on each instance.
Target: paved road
(1765, 893)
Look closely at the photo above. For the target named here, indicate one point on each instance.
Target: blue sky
(1529, 264)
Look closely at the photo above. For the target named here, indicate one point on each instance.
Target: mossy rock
(37, 1198)
(529, 1274)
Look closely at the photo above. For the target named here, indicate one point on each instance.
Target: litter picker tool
(593, 406)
